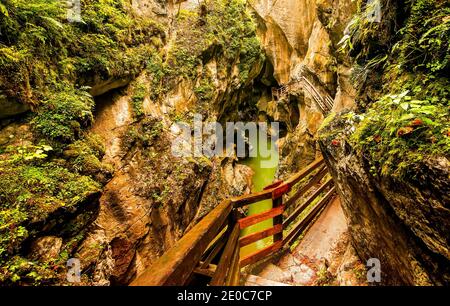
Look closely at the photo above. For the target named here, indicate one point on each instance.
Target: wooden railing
(210, 252)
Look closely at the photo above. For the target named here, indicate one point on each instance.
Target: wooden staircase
(307, 80)
(210, 252)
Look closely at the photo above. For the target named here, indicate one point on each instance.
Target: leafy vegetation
(54, 65)
(32, 188)
(84, 157)
(221, 29)
(49, 63)
(425, 43)
(62, 116)
(410, 119)
(137, 100)
(399, 131)
(39, 48)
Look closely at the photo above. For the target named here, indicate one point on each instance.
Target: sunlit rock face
(285, 30)
(151, 8)
(296, 33)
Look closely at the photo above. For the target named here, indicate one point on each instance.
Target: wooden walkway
(210, 252)
(325, 239)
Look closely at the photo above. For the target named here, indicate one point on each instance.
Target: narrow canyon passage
(108, 161)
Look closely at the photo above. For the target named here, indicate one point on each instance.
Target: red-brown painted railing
(217, 234)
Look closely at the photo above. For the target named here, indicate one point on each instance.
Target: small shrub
(61, 117)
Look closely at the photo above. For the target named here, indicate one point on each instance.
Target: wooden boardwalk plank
(316, 179)
(224, 266)
(176, 265)
(305, 172)
(308, 201)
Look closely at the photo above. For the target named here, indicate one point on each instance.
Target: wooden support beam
(233, 275)
(258, 255)
(300, 226)
(251, 238)
(217, 240)
(273, 185)
(280, 190)
(253, 219)
(208, 271)
(308, 201)
(217, 248)
(267, 193)
(223, 268)
(277, 203)
(176, 265)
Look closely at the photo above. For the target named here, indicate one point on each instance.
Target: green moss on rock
(409, 119)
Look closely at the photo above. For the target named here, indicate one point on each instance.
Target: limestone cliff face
(303, 32)
(149, 202)
(285, 30)
(402, 223)
(399, 217)
(154, 196)
(295, 32)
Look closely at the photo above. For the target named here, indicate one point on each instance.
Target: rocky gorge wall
(154, 197)
(95, 164)
(403, 224)
(394, 185)
(304, 32)
(148, 198)
(400, 221)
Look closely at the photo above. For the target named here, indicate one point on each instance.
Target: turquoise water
(263, 176)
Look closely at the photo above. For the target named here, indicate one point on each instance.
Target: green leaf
(403, 94)
(3, 10)
(406, 117)
(405, 106)
(428, 121)
(53, 22)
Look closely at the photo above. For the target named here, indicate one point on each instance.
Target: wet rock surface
(10, 107)
(399, 222)
(46, 248)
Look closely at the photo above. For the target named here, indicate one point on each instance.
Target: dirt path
(323, 236)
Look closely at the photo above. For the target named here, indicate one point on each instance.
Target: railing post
(278, 219)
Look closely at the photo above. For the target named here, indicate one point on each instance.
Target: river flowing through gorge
(262, 176)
